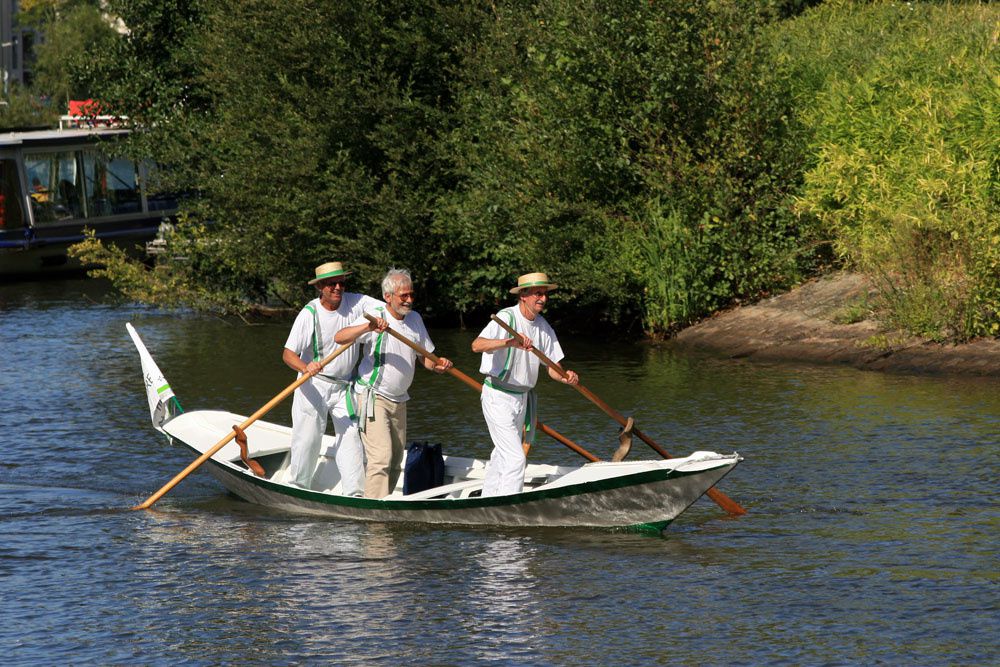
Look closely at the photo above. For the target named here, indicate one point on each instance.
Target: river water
(871, 536)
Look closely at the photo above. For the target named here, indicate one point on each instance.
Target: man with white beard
(378, 402)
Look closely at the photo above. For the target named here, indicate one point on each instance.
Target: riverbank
(824, 321)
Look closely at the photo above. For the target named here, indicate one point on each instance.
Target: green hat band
(332, 274)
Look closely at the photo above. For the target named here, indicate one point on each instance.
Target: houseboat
(56, 183)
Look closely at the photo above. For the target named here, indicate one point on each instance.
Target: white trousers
(505, 414)
(315, 401)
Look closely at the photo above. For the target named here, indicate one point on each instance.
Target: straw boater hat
(329, 270)
(529, 280)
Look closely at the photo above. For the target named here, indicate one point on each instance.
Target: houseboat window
(55, 186)
(158, 197)
(10, 196)
(111, 186)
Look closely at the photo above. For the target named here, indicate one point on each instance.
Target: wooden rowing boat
(632, 495)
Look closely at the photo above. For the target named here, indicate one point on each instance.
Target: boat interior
(463, 477)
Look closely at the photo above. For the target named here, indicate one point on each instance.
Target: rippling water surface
(871, 537)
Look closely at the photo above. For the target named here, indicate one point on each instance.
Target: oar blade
(729, 505)
(624, 442)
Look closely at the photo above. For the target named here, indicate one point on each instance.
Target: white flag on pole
(158, 390)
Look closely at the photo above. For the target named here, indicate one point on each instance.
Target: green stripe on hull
(653, 528)
(645, 501)
(583, 488)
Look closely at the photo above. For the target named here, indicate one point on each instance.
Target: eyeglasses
(332, 283)
(405, 295)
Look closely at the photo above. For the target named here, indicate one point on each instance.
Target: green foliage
(69, 27)
(855, 311)
(639, 148)
(171, 284)
(903, 103)
(639, 152)
(148, 73)
(23, 109)
(660, 160)
(321, 144)
(68, 35)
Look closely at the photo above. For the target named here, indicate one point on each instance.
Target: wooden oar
(222, 443)
(454, 372)
(721, 499)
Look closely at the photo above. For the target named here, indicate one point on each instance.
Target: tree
(69, 30)
(903, 112)
(306, 130)
(640, 151)
(610, 143)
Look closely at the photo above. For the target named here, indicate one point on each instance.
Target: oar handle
(721, 499)
(409, 343)
(479, 387)
(222, 443)
(428, 355)
(551, 432)
(545, 360)
(611, 412)
(466, 379)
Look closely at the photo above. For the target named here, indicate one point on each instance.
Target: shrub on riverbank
(902, 101)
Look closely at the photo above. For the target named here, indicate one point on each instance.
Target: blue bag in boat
(424, 467)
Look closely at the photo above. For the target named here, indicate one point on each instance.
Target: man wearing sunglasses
(309, 342)
(384, 376)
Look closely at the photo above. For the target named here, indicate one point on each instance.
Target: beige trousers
(384, 438)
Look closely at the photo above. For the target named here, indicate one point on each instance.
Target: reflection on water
(870, 538)
(505, 590)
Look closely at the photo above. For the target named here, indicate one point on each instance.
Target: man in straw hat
(309, 342)
(508, 399)
(384, 377)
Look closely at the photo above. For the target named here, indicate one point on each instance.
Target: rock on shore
(814, 323)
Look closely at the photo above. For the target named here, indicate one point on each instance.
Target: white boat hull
(637, 495)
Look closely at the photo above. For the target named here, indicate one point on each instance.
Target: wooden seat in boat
(447, 489)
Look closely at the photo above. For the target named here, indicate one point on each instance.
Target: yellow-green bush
(902, 101)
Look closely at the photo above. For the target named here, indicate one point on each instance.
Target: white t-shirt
(302, 338)
(512, 366)
(387, 364)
